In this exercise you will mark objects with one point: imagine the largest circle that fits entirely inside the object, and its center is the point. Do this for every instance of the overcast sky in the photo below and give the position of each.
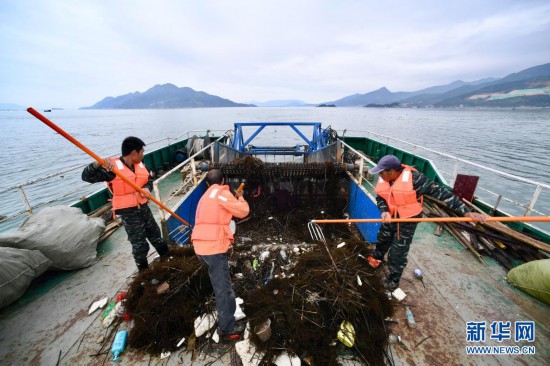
(73, 53)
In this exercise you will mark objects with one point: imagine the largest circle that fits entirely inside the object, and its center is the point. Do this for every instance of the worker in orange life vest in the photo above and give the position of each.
(400, 190)
(129, 204)
(212, 238)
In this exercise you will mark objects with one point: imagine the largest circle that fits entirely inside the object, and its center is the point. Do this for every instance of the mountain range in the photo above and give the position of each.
(526, 88)
(165, 97)
(529, 88)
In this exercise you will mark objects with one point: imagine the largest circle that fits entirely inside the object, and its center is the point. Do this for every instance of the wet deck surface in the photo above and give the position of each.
(51, 325)
(458, 290)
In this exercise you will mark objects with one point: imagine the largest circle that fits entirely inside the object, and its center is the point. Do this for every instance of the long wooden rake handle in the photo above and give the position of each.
(102, 162)
(438, 219)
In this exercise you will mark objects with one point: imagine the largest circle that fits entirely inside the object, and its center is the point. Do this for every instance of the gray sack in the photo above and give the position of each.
(18, 267)
(63, 234)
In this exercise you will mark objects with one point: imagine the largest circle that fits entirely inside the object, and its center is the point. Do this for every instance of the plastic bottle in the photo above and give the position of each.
(119, 344)
(107, 310)
(419, 276)
(108, 320)
(410, 317)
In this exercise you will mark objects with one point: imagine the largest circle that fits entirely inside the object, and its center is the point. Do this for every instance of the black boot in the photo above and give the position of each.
(142, 266)
(163, 250)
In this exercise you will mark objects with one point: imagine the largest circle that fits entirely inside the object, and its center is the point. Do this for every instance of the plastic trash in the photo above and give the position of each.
(112, 315)
(98, 305)
(399, 294)
(346, 334)
(374, 263)
(264, 255)
(180, 342)
(119, 344)
(239, 313)
(418, 275)
(410, 317)
(120, 296)
(107, 310)
(263, 330)
(392, 338)
(204, 323)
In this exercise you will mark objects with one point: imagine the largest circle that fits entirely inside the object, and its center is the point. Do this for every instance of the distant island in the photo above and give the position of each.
(527, 88)
(165, 96)
(391, 105)
(326, 105)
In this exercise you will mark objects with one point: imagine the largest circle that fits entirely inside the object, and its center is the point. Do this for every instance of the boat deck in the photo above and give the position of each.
(50, 324)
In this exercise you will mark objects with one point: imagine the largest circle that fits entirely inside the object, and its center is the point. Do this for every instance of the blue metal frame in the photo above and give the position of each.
(361, 206)
(318, 141)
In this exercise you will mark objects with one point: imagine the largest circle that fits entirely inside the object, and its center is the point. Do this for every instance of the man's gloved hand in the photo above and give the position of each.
(147, 191)
(109, 166)
(476, 216)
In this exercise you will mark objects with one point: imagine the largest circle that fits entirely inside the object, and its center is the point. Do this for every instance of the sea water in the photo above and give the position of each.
(514, 141)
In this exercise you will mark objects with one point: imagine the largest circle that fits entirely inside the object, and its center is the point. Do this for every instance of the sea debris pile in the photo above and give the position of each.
(293, 284)
(165, 299)
(310, 306)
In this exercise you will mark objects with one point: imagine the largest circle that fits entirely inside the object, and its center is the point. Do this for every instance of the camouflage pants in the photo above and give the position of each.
(140, 225)
(396, 247)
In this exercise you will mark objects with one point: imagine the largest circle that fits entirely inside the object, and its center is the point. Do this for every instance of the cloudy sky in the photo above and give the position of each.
(73, 53)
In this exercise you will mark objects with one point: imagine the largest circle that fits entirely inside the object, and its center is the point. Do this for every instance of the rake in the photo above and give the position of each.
(317, 233)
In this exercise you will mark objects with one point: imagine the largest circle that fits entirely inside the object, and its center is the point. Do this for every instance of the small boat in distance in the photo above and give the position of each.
(47, 110)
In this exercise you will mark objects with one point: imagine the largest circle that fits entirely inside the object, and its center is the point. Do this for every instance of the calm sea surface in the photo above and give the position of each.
(514, 141)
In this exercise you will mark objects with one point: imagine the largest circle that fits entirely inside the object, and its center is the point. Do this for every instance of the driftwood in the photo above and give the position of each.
(500, 227)
(458, 234)
(100, 211)
(113, 225)
(503, 244)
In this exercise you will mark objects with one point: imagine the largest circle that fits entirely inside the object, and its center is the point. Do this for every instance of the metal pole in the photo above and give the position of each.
(157, 195)
(533, 200)
(25, 200)
(361, 165)
(194, 172)
(496, 205)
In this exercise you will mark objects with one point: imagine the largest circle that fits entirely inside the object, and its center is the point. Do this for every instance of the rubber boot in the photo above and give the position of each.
(142, 266)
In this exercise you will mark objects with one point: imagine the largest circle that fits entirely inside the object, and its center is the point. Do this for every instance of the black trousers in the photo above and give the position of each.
(140, 225)
(397, 247)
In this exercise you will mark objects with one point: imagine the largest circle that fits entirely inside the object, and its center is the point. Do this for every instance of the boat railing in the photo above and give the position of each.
(449, 167)
(190, 162)
(32, 194)
(177, 187)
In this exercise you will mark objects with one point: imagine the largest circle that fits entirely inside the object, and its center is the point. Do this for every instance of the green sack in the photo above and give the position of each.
(532, 277)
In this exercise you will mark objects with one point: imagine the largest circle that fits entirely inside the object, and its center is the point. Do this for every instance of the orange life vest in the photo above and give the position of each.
(124, 196)
(211, 233)
(401, 196)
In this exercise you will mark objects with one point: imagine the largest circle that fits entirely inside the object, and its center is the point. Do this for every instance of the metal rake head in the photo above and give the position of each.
(180, 234)
(316, 232)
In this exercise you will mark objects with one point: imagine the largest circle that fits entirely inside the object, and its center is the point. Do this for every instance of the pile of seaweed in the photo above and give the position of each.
(308, 306)
(161, 320)
(298, 288)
